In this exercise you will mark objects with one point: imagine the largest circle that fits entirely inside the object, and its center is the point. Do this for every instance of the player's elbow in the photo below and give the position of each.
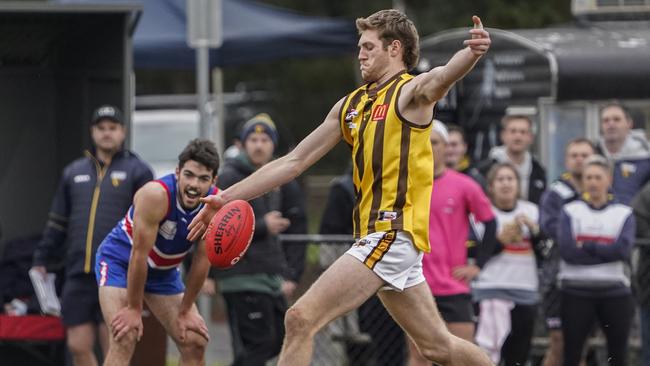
(430, 93)
(434, 86)
(435, 96)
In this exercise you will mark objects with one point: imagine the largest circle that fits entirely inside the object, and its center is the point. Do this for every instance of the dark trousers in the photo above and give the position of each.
(579, 313)
(645, 335)
(516, 347)
(256, 323)
(388, 344)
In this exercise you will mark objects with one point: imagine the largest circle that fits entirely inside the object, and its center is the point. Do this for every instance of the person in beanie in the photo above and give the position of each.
(257, 288)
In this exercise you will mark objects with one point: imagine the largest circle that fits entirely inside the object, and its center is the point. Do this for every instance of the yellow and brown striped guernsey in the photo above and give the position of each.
(393, 164)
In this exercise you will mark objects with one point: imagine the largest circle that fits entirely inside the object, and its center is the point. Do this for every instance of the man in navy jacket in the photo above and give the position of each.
(93, 194)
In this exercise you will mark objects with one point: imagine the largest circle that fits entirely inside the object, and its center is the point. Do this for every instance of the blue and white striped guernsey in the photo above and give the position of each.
(171, 245)
(595, 246)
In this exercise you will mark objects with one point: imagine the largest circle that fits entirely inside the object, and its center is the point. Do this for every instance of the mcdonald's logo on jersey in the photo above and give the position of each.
(379, 112)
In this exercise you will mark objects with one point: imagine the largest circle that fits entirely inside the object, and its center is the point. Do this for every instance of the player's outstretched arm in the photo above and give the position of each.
(188, 320)
(150, 208)
(275, 173)
(429, 87)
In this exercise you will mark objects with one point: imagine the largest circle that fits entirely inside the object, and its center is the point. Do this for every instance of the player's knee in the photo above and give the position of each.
(438, 351)
(80, 340)
(296, 322)
(126, 343)
(79, 346)
(193, 347)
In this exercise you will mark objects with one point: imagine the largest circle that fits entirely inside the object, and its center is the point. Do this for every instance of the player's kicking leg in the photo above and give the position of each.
(343, 287)
(415, 311)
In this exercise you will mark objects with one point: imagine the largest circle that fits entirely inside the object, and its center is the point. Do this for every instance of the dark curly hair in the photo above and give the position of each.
(202, 151)
(393, 25)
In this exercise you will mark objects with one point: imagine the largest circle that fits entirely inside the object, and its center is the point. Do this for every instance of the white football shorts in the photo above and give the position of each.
(392, 256)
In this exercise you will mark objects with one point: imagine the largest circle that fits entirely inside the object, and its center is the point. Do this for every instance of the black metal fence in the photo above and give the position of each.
(368, 336)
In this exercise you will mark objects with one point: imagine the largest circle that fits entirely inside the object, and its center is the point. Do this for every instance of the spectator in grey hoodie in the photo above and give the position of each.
(628, 150)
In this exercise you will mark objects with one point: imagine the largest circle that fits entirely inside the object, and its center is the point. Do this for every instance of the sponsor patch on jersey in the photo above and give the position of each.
(379, 112)
(387, 215)
(362, 242)
(81, 178)
(168, 230)
(562, 189)
(117, 177)
(627, 169)
(351, 115)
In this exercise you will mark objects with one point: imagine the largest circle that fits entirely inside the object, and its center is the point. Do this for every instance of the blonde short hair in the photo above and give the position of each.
(393, 25)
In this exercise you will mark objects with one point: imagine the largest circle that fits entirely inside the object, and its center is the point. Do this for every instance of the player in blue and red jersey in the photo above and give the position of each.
(139, 259)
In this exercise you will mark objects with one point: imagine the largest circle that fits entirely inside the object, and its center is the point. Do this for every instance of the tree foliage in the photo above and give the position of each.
(433, 16)
(303, 91)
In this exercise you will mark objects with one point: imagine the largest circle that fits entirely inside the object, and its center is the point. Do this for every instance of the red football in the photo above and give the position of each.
(230, 233)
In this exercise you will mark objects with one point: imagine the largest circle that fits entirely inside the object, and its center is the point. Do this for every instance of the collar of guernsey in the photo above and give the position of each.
(392, 160)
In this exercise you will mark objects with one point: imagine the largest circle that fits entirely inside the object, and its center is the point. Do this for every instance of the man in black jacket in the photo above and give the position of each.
(517, 137)
(93, 194)
(256, 289)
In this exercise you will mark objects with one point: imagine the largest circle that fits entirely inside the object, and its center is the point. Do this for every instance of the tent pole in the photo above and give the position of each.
(203, 88)
(219, 123)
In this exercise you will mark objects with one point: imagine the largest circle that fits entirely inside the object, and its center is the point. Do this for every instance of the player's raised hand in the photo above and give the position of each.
(201, 221)
(480, 42)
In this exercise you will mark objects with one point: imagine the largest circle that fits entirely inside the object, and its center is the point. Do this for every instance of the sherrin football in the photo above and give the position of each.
(230, 233)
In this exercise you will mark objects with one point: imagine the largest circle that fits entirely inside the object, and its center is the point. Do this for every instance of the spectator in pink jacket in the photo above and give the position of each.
(446, 268)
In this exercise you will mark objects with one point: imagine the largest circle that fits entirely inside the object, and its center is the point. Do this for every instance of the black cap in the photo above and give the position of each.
(107, 112)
